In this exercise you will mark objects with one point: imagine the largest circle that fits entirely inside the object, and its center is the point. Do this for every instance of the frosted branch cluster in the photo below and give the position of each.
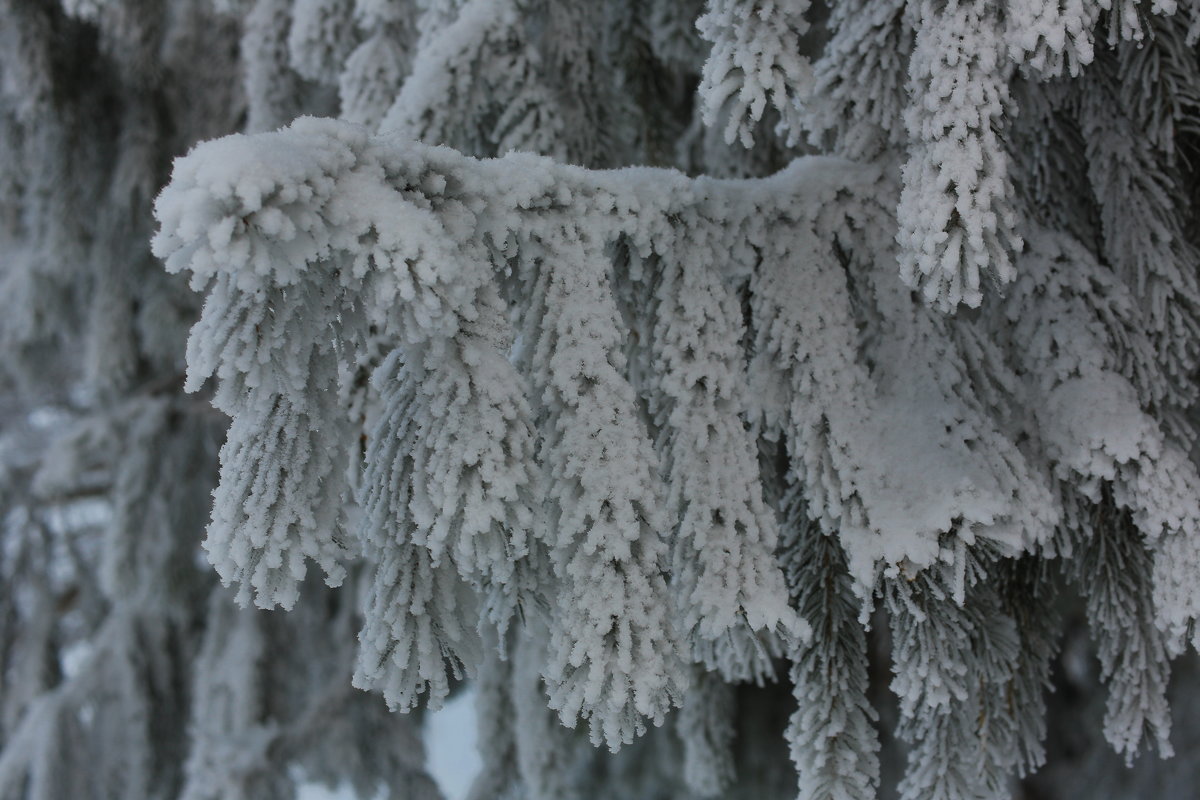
(630, 362)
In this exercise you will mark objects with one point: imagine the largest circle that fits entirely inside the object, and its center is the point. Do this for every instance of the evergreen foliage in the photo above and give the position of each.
(628, 361)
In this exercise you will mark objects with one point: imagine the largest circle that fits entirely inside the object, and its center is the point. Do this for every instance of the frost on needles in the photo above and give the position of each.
(646, 435)
(413, 244)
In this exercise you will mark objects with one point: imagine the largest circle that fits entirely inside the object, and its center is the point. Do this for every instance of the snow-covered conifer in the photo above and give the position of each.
(957, 223)
(734, 603)
(833, 742)
(321, 37)
(756, 59)
(857, 100)
(613, 652)
(634, 363)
